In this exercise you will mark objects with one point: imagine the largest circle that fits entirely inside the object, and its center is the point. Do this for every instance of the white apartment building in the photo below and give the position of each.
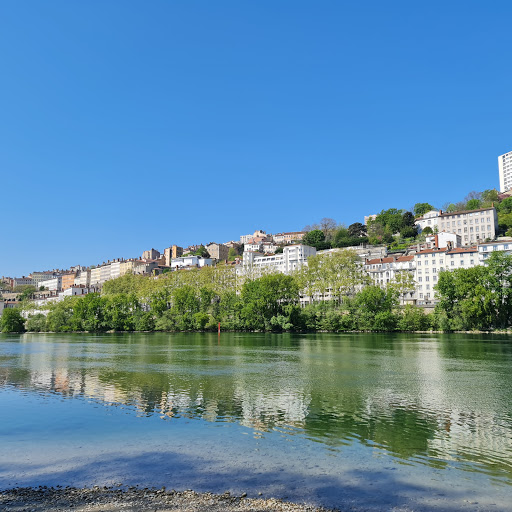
(505, 171)
(473, 226)
(83, 277)
(292, 258)
(429, 263)
(385, 270)
(486, 249)
(52, 284)
(429, 219)
(190, 261)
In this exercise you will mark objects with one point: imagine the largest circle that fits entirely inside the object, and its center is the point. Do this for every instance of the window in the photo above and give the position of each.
(453, 263)
(420, 279)
(427, 278)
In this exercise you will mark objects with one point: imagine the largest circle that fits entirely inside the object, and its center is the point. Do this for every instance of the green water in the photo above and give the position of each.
(439, 406)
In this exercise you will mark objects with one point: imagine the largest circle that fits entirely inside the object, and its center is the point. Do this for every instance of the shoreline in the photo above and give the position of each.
(139, 499)
(507, 331)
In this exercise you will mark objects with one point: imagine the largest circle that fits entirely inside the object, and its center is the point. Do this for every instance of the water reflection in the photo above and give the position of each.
(434, 401)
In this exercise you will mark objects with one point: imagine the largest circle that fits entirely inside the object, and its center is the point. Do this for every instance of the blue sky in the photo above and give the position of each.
(126, 125)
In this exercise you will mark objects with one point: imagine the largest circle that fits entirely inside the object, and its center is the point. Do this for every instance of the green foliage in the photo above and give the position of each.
(316, 239)
(266, 298)
(202, 252)
(27, 292)
(372, 309)
(473, 204)
(421, 208)
(36, 323)
(412, 318)
(357, 230)
(12, 321)
(477, 298)
(427, 230)
(232, 254)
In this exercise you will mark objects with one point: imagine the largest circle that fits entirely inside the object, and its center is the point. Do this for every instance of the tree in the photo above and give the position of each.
(12, 321)
(27, 292)
(421, 208)
(427, 230)
(316, 239)
(473, 204)
(266, 299)
(328, 226)
(232, 254)
(489, 196)
(36, 323)
(505, 206)
(279, 250)
(357, 230)
(202, 252)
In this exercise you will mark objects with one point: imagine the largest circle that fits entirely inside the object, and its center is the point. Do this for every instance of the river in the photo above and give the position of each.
(369, 421)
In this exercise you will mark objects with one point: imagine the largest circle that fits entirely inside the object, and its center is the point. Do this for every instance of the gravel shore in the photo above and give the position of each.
(136, 499)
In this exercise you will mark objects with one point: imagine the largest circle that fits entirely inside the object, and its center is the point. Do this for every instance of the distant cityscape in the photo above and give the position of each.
(455, 239)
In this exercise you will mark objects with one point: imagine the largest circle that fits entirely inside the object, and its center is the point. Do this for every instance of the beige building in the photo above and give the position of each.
(171, 253)
(289, 237)
(152, 254)
(218, 251)
(473, 226)
(68, 280)
(126, 267)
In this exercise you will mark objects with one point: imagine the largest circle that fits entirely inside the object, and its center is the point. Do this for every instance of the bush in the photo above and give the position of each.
(12, 321)
(36, 323)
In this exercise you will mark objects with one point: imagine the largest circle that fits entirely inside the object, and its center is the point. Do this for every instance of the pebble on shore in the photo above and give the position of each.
(135, 499)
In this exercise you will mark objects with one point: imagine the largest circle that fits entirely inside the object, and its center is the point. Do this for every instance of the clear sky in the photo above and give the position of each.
(126, 125)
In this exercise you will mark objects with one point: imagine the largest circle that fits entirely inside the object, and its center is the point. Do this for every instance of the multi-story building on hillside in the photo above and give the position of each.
(68, 280)
(172, 252)
(257, 234)
(190, 262)
(52, 284)
(289, 237)
(152, 254)
(292, 258)
(218, 251)
(473, 226)
(486, 249)
(505, 171)
(83, 278)
(429, 219)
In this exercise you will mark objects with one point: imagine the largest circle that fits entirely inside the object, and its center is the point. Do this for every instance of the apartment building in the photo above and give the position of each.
(505, 171)
(257, 234)
(172, 252)
(21, 281)
(191, 261)
(152, 254)
(292, 258)
(37, 277)
(52, 284)
(429, 219)
(289, 237)
(68, 280)
(218, 251)
(429, 263)
(473, 226)
(486, 249)
(83, 278)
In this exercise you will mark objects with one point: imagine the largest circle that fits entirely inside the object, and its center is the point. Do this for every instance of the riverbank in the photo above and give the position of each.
(110, 499)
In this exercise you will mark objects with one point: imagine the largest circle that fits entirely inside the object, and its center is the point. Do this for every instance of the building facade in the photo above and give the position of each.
(218, 251)
(292, 258)
(427, 220)
(505, 171)
(474, 226)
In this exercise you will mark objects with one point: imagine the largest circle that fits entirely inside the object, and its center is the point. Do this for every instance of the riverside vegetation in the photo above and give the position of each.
(478, 298)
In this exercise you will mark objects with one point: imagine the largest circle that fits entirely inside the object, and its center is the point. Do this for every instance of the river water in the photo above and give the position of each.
(372, 422)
